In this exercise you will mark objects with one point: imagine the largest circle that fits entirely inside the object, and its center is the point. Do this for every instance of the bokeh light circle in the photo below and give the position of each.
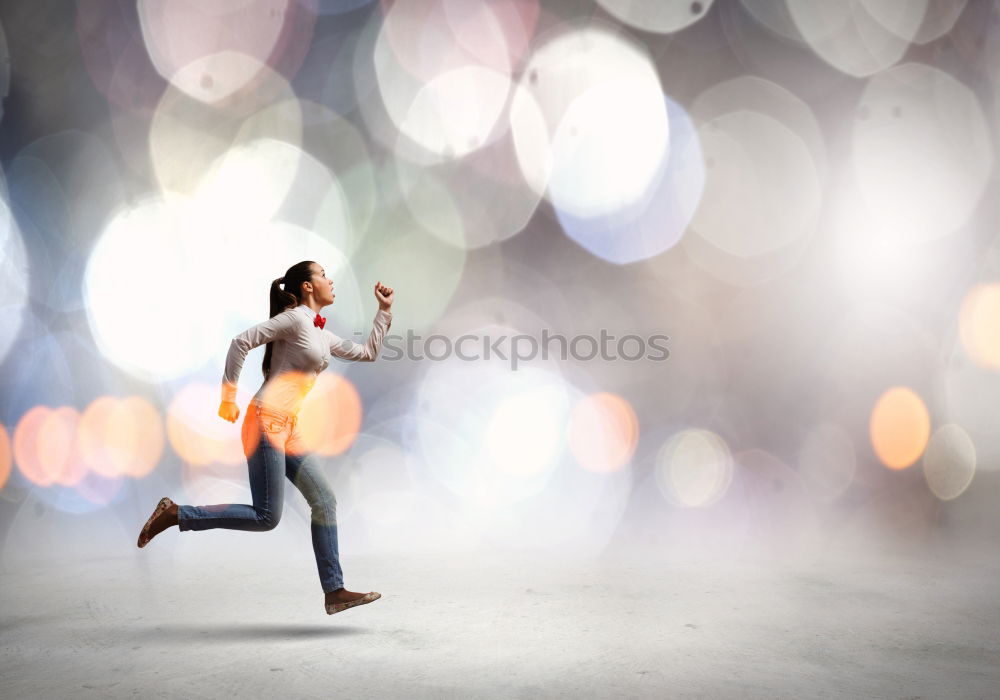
(921, 151)
(589, 121)
(121, 436)
(58, 446)
(660, 16)
(195, 433)
(603, 432)
(979, 325)
(187, 137)
(491, 436)
(899, 427)
(134, 289)
(331, 414)
(444, 88)
(14, 276)
(949, 462)
(971, 377)
(694, 468)
(212, 50)
(400, 249)
(523, 434)
(858, 37)
(334, 192)
(656, 221)
(27, 446)
(762, 188)
(46, 447)
(939, 19)
(248, 183)
(6, 456)
(470, 202)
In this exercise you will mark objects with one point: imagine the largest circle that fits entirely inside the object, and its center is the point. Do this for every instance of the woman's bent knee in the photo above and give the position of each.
(268, 521)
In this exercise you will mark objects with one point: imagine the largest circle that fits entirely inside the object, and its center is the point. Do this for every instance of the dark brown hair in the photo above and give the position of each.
(282, 299)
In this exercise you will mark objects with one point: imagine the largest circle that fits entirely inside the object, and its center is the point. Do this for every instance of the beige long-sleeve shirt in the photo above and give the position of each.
(301, 351)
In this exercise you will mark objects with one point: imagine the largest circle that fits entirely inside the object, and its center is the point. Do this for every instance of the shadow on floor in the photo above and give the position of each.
(192, 632)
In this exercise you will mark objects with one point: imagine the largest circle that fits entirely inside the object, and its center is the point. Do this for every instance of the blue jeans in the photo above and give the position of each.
(273, 446)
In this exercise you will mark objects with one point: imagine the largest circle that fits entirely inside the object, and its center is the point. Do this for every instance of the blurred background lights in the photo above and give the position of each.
(331, 414)
(722, 242)
(380, 489)
(603, 432)
(144, 251)
(470, 202)
(694, 468)
(899, 427)
(143, 436)
(249, 183)
(399, 248)
(205, 485)
(185, 137)
(58, 449)
(979, 325)
(428, 37)
(949, 462)
(921, 151)
(748, 93)
(196, 440)
(782, 522)
(762, 189)
(662, 16)
(6, 457)
(443, 71)
(595, 143)
(455, 112)
(121, 436)
(656, 221)
(92, 493)
(14, 277)
(435, 207)
(524, 433)
(117, 62)
(477, 435)
(939, 18)
(331, 193)
(827, 461)
(858, 37)
(28, 447)
(212, 50)
(800, 196)
(336, 157)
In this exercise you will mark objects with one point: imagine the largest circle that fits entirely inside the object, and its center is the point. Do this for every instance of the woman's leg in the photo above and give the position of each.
(266, 465)
(305, 471)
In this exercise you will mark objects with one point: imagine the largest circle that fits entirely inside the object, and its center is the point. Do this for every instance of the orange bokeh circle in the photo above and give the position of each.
(603, 432)
(900, 427)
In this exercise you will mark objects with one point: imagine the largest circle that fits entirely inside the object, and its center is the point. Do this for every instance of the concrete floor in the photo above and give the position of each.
(198, 622)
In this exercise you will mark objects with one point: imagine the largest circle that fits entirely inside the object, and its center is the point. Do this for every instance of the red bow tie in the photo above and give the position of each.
(319, 321)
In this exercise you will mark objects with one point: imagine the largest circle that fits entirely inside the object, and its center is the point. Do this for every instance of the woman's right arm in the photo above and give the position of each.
(276, 327)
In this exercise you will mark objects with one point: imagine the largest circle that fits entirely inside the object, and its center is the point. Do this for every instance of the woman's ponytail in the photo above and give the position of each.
(290, 296)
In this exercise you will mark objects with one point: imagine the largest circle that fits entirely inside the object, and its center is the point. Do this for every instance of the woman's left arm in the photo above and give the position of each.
(349, 350)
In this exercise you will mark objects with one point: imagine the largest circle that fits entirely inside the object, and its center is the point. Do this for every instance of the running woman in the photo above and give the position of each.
(298, 348)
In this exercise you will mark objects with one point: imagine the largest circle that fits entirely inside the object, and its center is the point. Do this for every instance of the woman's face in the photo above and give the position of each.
(322, 286)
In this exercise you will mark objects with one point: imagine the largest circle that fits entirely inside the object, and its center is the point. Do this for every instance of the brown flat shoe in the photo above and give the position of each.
(160, 507)
(332, 608)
